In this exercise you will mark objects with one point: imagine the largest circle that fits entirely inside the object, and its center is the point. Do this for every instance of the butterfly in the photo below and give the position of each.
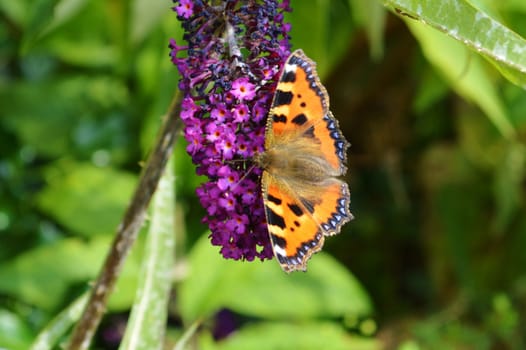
(305, 153)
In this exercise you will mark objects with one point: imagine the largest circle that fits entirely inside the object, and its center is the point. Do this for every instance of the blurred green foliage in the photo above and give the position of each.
(435, 257)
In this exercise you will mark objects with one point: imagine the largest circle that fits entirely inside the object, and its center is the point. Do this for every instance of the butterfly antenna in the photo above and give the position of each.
(249, 170)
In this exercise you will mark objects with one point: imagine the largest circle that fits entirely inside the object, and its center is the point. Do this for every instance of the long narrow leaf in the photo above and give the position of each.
(148, 318)
(467, 27)
(48, 338)
(465, 73)
(473, 27)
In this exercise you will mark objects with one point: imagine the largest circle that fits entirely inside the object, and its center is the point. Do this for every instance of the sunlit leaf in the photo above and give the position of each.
(146, 14)
(303, 336)
(46, 15)
(147, 323)
(84, 54)
(15, 332)
(465, 72)
(64, 11)
(41, 14)
(56, 329)
(264, 290)
(86, 199)
(42, 276)
(474, 28)
(15, 11)
(327, 43)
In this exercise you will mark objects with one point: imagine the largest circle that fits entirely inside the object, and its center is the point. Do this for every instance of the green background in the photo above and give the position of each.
(429, 93)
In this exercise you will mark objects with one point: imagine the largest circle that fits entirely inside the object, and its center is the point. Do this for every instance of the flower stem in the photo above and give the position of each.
(128, 228)
(187, 335)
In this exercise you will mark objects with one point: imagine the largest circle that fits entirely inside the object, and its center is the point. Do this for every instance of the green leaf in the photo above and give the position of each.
(39, 120)
(432, 88)
(280, 335)
(474, 28)
(264, 290)
(436, 333)
(51, 116)
(465, 72)
(147, 324)
(145, 16)
(15, 333)
(509, 176)
(42, 276)
(15, 11)
(48, 338)
(40, 16)
(64, 11)
(371, 15)
(89, 53)
(322, 29)
(86, 199)
(46, 15)
(70, 36)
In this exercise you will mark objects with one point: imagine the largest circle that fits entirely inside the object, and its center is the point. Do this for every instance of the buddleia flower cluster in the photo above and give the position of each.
(229, 66)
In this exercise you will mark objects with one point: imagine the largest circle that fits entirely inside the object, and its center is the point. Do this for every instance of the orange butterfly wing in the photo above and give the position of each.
(305, 152)
(301, 105)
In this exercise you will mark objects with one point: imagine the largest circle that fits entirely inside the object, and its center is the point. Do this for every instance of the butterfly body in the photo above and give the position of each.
(296, 162)
(305, 153)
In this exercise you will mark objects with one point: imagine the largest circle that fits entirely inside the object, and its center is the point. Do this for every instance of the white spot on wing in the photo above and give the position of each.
(280, 251)
(290, 68)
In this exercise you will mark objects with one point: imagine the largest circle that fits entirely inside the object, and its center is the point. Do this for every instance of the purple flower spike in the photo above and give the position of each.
(227, 96)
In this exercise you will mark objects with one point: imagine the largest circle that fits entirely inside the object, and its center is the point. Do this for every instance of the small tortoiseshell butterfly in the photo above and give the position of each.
(305, 152)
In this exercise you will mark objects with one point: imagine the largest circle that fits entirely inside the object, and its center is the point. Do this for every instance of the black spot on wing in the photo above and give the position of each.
(295, 209)
(279, 118)
(274, 219)
(282, 98)
(300, 119)
(288, 77)
(273, 199)
(279, 241)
